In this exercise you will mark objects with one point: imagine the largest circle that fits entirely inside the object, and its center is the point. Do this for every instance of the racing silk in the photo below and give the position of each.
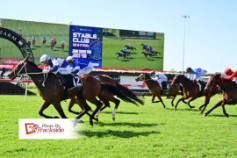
(160, 77)
(58, 64)
(79, 65)
(196, 74)
(230, 77)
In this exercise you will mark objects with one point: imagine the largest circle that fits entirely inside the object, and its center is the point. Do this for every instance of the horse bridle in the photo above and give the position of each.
(35, 73)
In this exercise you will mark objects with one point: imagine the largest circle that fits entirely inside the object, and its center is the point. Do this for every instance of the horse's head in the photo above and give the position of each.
(214, 80)
(141, 77)
(176, 80)
(20, 69)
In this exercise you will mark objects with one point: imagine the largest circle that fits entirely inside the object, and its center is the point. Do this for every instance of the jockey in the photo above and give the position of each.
(161, 79)
(58, 66)
(83, 67)
(197, 77)
(196, 72)
(230, 75)
(33, 38)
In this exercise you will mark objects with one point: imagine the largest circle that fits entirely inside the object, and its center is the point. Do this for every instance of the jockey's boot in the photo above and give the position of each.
(62, 79)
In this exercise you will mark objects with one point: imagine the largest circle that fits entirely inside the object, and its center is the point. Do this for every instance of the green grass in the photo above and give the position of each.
(145, 131)
(61, 32)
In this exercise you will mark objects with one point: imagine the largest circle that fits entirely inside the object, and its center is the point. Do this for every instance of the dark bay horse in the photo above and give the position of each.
(229, 92)
(130, 47)
(52, 93)
(106, 96)
(191, 90)
(154, 87)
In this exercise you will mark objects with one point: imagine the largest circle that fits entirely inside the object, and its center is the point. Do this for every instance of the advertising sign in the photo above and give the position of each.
(85, 44)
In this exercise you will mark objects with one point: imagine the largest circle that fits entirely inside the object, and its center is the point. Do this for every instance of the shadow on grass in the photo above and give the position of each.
(129, 124)
(220, 115)
(193, 109)
(120, 134)
(121, 112)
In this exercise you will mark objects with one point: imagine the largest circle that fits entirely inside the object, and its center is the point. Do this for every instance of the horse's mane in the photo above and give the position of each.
(184, 78)
(34, 65)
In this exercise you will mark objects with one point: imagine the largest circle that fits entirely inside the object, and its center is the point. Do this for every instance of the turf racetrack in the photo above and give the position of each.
(145, 131)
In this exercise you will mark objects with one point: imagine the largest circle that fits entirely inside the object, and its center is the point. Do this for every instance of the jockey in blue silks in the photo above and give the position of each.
(82, 67)
(56, 65)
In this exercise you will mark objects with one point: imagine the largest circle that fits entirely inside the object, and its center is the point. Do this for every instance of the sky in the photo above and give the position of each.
(210, 30)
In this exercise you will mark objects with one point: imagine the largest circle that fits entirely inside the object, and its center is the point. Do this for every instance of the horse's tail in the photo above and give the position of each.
(114, 91)
(127, 92)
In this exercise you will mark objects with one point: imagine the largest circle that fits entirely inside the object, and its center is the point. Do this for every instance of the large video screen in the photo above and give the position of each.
(104, 47)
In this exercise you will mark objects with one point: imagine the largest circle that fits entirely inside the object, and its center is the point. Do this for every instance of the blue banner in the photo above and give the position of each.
(85, 43)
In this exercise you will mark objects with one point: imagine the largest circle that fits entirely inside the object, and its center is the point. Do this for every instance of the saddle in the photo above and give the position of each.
(69, 81)
(202, 85)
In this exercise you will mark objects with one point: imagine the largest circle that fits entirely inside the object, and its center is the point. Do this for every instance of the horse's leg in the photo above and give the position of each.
(172, 102)
(223, 106)
(215, 106)
(58, 107)
(193, 98)
(181, 99)
(224, 111)
(206, 102)
(45, 106)
(153, 98)
(106, 104)
(116, 101)
(98, 106)
(161, 101)
(71, 103)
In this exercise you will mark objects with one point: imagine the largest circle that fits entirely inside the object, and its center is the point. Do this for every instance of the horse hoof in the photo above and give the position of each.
(113, 118)
(175, 109)
(227, 115)
(91, 123)
(96, 119)
(204, 115)
(192, 107)
(55, 117)
(80, 121)
(96, 116)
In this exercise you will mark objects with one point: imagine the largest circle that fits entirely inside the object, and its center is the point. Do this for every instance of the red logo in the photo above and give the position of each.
(30, 128)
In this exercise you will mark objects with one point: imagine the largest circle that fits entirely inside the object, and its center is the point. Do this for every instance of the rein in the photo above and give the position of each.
(32, 73)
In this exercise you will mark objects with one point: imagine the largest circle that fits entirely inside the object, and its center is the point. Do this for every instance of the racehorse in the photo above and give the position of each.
(52, 93)
(62, 45)
(122, 54)
(147, 54)
(33, 42)
(229, 91)
(130, 47)
(154, 87)
(43, 41)
(105, 96)
(191, 90)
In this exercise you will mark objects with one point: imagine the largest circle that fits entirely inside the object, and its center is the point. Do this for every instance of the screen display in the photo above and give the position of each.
(104, 47)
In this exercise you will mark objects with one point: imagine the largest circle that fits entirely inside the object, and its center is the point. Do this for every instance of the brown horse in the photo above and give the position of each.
(106, 96)
(191, 90)
(229, 91)
(154, 87)
(52, 93)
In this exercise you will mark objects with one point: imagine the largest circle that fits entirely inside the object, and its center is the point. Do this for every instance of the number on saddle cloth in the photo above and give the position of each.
(77, 81)
(72, 81)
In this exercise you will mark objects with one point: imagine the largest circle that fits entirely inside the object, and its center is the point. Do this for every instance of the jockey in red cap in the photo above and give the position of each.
(230, 74)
